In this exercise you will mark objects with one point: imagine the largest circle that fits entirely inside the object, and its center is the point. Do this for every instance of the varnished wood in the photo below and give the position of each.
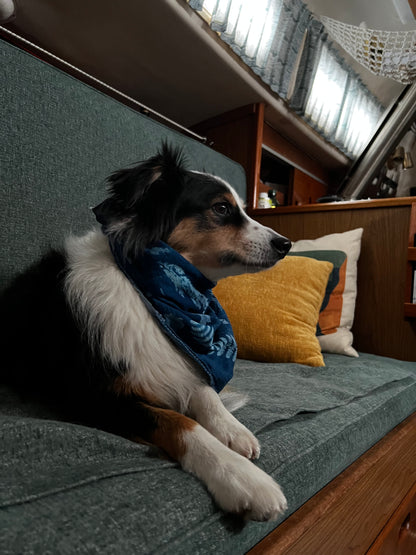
(410, 310)
(412, 4)
(409, 306)
(379, 325)
(282, 147)
(336, 206)
(237, 134)
(241, 134)
(306, 189)
(412, 225)
(348, 514)
(259, 130)
(398, 537)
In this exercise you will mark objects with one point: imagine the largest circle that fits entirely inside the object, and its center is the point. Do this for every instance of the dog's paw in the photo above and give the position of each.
(248, 491)
(207, 409)
(237, 437)
(237, 484)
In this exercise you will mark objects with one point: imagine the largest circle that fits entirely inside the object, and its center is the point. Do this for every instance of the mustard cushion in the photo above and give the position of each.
(274, 313)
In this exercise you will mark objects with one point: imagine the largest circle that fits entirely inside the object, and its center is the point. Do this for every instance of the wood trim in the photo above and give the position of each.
(412, 224)
(92, 81)
(333, 206)
(238, 134)
(290, 153)
(253, 193)
(399, 534)
(412, 4)
(224, 119)
(409, 307)
(410, 310)
(348, 514)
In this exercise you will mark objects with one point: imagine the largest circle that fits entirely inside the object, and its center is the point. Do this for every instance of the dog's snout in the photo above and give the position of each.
(281, 244)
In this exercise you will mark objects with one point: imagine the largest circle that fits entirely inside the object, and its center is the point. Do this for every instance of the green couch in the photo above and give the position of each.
(69, 489)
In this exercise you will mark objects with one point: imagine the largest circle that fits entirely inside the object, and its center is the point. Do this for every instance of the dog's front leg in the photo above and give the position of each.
(236, 484)
(207, 408)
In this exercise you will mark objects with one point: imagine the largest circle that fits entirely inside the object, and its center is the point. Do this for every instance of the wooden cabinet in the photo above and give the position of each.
(368, 509)
(270, 160)
(410, 304)
(398, 536)
(306, 189)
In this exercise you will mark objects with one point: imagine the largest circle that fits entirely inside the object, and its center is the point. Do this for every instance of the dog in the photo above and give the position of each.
(86, 331)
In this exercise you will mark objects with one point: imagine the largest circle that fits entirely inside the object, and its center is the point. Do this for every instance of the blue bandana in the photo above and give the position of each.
(181, 300)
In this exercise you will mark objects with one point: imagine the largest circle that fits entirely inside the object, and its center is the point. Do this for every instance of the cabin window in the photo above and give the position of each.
(289, 49)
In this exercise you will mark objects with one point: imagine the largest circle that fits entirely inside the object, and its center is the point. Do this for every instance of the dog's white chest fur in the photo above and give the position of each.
(104, 300)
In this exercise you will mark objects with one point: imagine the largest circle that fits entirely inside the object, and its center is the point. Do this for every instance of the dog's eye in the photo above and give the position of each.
(222, 208)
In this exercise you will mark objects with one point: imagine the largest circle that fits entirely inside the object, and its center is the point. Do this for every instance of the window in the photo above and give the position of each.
(284, 44)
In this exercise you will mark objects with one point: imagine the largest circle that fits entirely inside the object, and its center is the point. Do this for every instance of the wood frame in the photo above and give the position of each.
(242, 133)
(354, 511)
(239, 134)
(409, 307)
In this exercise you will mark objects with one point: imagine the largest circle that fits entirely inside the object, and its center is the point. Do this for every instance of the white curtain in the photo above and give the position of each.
(273, 37)
(339, 106)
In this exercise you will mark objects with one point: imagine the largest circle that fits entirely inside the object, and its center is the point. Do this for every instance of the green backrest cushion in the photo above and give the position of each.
(60, 139)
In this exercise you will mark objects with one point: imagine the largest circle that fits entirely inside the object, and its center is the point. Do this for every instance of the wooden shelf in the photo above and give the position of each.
(245, 136)
(410, 310)
(411, 254)
(335, 206)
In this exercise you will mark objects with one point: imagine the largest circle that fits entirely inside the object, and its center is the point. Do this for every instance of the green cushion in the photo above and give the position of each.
(67, 488)
(60, 141)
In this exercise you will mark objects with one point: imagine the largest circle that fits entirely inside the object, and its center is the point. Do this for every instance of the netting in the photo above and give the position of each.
(387, 53)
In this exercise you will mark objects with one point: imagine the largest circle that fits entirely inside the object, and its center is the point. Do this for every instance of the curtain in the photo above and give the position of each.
(338, 105)
(289, 49)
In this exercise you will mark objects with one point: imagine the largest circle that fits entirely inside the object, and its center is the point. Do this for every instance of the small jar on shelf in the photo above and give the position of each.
(264, 201)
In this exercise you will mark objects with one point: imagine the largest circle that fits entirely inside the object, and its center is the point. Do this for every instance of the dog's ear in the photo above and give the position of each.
(141, 208)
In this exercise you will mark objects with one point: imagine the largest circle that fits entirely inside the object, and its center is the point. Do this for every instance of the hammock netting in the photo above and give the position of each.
(389, 54)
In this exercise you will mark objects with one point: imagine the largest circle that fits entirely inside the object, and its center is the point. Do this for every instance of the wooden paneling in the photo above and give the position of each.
(379, 324)
(348, 514)
(399, 535)
(241, 133)
(274, 140)
(339, 206)
(238, 134)
(306, 189)
(409, 306)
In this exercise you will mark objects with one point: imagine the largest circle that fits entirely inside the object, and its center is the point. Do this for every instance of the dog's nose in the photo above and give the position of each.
(281, 244)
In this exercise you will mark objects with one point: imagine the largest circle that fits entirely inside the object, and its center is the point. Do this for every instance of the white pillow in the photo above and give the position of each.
(350, 243)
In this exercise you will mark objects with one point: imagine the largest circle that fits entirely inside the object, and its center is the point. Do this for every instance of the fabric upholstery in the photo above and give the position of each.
(61, 139)
(274, 313)
(66, 488)
(331, 308)
(341, 305)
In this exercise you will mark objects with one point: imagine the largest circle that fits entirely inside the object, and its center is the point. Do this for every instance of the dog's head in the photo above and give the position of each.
(197, 214)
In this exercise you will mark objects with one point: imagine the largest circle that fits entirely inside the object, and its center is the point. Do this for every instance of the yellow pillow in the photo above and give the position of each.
(274, 313)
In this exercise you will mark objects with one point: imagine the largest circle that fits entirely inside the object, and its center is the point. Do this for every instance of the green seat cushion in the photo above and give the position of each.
(61, 139)
(67, 488)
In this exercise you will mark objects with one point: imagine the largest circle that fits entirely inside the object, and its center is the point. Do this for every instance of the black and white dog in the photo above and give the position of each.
(121, 330)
